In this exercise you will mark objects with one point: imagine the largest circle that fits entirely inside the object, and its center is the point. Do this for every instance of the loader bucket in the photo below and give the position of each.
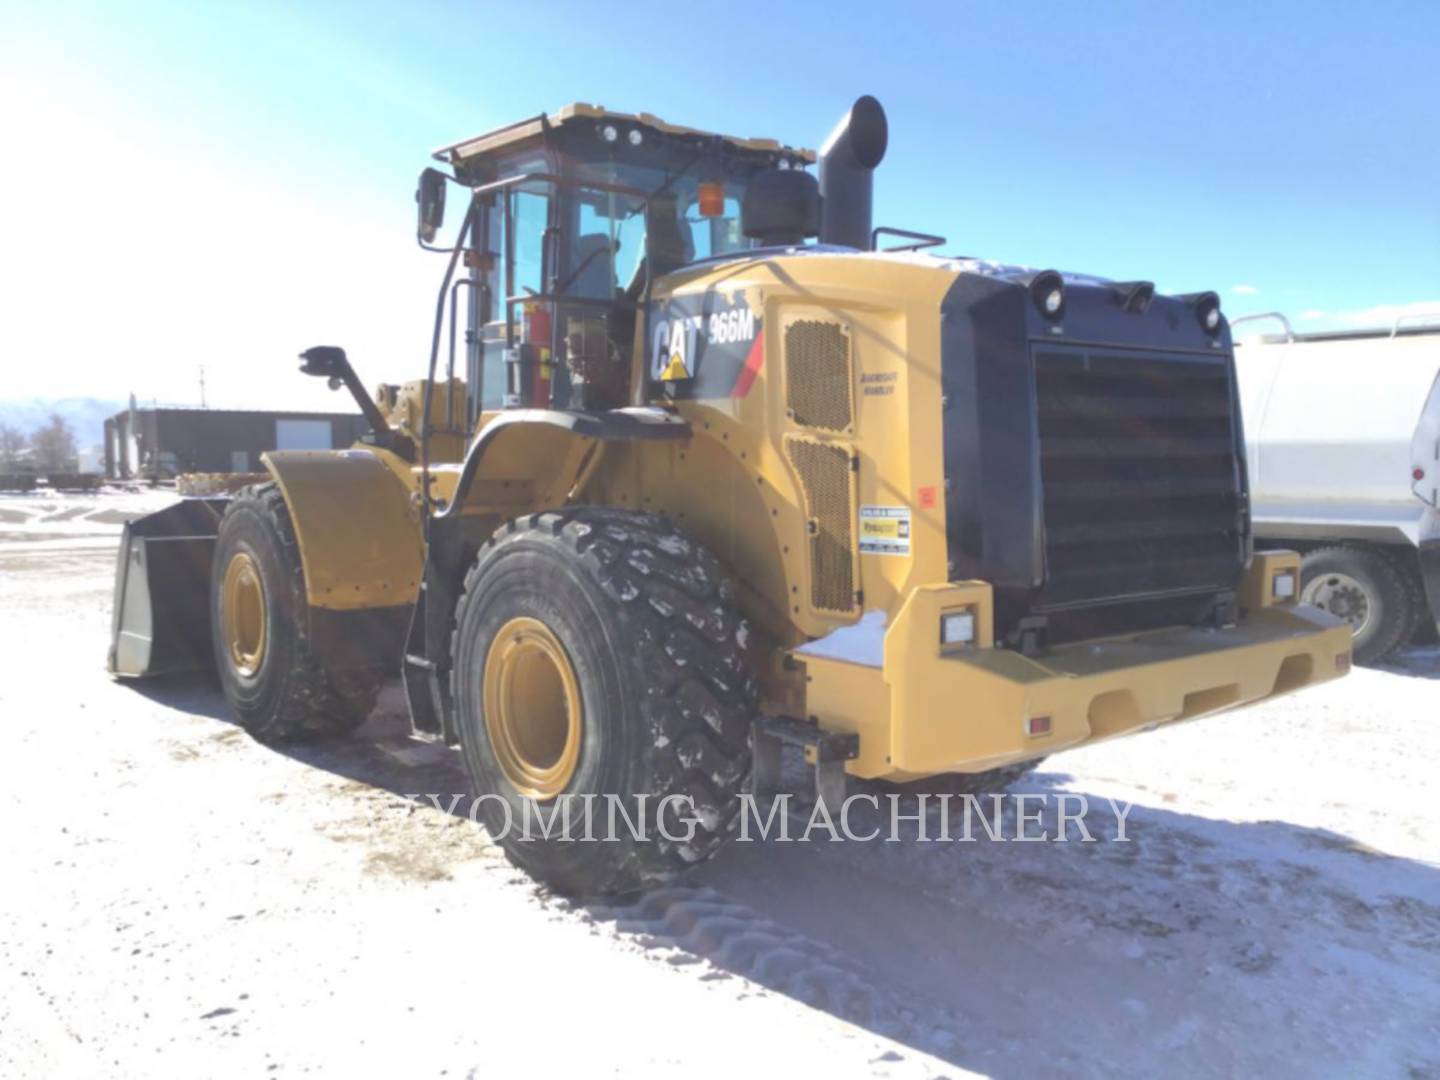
(161, 621)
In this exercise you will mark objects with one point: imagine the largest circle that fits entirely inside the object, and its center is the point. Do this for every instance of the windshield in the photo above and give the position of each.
(690, 217)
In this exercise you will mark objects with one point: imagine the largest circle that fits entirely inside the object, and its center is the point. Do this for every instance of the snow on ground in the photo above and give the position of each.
(45, 520)
(179, 900)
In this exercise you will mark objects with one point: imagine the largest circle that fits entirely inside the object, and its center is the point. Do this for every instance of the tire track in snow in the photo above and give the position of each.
(688, 924)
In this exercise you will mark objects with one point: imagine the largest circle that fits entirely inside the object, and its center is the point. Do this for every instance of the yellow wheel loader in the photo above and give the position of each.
(731, 469)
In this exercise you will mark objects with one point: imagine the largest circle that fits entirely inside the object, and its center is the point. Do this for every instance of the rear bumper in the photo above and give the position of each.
(921, 710)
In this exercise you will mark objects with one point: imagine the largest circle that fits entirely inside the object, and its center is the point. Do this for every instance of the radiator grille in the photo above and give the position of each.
(818, 390)
(825, 476)
(1140, 474)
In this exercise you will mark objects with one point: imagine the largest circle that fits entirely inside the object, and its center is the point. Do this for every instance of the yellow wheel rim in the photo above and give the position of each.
(532, 708)
(242, 609)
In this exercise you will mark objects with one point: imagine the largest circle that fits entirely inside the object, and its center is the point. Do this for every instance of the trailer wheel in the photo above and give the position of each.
(599, 669)
(277, 688)
(1367, 590)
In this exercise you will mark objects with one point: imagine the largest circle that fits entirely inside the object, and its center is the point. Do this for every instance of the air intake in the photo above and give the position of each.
(818, 384)
(825, 475)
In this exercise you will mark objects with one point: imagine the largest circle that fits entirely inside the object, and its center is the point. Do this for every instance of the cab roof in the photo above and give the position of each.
(578, 113)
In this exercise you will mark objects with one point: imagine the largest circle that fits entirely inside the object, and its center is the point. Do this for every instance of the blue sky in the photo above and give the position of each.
(226, 183)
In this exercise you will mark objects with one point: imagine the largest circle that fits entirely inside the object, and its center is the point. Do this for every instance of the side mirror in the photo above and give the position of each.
(430, 200)
(327, 361)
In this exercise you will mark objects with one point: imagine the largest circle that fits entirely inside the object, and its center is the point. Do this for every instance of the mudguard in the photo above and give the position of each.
(362, 548)
(1430, 575)
(360, 537)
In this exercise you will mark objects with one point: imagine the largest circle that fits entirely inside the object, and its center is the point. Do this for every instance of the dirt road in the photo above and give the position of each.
(178, 900)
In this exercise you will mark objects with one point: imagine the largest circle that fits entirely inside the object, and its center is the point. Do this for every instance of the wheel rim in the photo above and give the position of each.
(243, 614)
(1342, 596)
(532, 708)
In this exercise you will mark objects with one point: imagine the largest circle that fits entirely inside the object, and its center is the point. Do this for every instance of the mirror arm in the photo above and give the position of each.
(331, 362)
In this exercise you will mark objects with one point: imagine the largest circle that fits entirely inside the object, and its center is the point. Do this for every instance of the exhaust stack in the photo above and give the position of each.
(847, 167)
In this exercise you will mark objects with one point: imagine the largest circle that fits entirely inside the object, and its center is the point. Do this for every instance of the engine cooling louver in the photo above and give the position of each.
(1140, 473)
(825, 474)
(818, 383)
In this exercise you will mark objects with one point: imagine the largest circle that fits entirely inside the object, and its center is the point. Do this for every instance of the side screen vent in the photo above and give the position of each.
(818, 386)
(825, 474)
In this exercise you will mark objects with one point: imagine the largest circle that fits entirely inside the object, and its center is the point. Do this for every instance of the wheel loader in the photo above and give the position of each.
(706, 465)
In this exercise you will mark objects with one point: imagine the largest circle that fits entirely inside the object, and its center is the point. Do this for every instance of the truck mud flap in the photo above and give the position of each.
(161, 618)
(1430, 575)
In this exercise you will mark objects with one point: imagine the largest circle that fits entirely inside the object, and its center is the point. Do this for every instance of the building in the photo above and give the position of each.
(164, 442)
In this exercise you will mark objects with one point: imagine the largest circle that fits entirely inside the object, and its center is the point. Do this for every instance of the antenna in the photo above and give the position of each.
(202, 387)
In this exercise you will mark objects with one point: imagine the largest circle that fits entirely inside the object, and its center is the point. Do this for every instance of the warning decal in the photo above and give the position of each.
(885, 530)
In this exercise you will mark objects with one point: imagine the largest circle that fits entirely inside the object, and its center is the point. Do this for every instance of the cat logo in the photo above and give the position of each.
(674, 346)
(704, 346)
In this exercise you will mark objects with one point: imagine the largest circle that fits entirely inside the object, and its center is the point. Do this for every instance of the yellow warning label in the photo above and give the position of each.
(675, 369)
(885, 530)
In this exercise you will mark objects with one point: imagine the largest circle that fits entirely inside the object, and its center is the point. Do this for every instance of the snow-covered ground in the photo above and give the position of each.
(178, 900)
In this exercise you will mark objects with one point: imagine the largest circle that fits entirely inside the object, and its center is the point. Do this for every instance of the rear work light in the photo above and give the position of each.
(1047, 290)
(1282, 585)
(957, 627)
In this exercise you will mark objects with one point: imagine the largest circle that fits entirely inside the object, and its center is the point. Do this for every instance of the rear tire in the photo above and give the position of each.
(1367, 590)
(631, 620)
(277, 688)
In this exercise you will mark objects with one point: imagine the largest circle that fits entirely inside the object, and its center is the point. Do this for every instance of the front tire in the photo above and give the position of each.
(276, 687)
(598, 653)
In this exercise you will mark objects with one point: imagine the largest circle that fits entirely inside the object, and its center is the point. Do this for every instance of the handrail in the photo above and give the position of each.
(465, 226)
(1289, 333)
(924, 240)
(1421, 316)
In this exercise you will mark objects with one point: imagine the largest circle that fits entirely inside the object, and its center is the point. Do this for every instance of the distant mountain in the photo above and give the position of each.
(86, 416)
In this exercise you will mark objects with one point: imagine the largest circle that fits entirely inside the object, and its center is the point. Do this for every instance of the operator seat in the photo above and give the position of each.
(668, 241)
(595, 276)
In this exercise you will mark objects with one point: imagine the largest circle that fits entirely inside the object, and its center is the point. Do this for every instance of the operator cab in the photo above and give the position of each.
(573, 216)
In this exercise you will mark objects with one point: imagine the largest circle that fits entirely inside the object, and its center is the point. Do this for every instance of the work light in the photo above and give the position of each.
(957, 627)
(1207, 310)
(1047, 289)
(1282, 585)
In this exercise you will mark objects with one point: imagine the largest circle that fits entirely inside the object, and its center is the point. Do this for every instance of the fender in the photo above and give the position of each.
(550, 446)
(524, 434)
(361, 546)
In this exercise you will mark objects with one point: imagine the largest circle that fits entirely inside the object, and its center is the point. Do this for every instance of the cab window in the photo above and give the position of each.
(532, 215)
(715, 235)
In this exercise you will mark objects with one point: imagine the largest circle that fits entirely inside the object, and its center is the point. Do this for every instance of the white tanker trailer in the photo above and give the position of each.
(1343, 438)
